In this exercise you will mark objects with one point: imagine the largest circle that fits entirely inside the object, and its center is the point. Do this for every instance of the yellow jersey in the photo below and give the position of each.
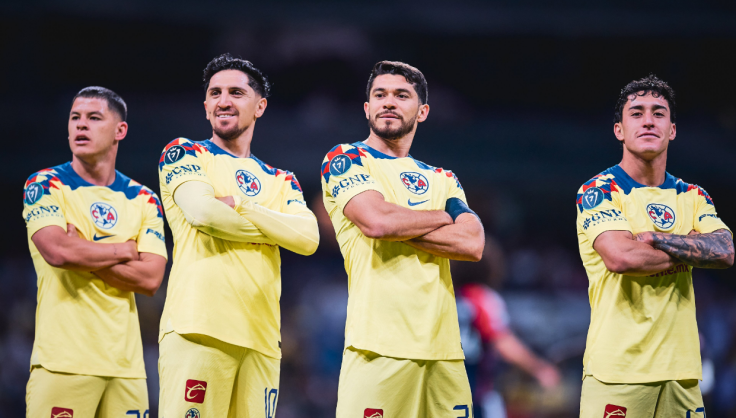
(83, 325)
(642, 329)
(401, 301)
(224, 289)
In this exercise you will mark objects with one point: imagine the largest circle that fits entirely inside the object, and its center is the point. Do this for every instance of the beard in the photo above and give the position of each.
(391, 132)
(230, 133)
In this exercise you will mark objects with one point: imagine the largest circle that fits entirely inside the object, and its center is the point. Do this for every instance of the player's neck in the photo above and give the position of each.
(99, 171)
(239, 147)
(398, 148)
(647, 172)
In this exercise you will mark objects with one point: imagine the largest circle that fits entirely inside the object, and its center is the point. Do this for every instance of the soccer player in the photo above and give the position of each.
(96, 237)
(641, 232)
(399, 222)
(229, 212)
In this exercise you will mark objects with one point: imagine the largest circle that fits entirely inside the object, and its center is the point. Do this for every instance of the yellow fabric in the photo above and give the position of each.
(224, 289)
(197, 202)
(657, 400)
(642, 329)
(401, 300)
(215, 378)
(64, 395)
(373, 386)
(83, 325)
(296, 232)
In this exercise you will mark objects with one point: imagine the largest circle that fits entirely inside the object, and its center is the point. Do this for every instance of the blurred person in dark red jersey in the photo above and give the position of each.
(486, 334)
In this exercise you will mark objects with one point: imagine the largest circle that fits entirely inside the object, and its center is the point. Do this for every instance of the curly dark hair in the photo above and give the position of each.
(114, 102)
(256, 79)
(649, 84)
(411, 74)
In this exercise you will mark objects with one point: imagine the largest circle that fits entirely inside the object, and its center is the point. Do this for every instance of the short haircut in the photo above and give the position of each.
(411, 74)
(649, 84)
(256, 79)
(114, 102)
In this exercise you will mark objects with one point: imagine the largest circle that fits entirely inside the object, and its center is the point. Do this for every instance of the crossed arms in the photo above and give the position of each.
(651, 252)
(120, 265)
(431, 231)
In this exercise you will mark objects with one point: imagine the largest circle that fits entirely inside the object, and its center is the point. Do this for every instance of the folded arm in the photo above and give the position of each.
(463, 240)
(66, 250)
(623, 254)
(142, 276)
(203, 211)
(296, 232)
(709, 251)
(386, 221)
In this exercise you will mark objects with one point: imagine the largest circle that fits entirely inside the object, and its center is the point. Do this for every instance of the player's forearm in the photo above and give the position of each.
(295, 232)
(78, 254)
(463, 240)
(139, 276)
(639, 259)
(207, 214)
(513, 351)
(709, 251)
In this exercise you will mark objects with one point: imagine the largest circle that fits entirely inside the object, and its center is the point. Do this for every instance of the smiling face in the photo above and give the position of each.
(231, 105)
(94, 129)
(393, 108)
(645, 128)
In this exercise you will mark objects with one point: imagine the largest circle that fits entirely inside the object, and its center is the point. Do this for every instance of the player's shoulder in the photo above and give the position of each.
(285, 175)
(47, 175)
(181, 147)
(682, 186)
(602, 187)
(136, 192)
(343, 156)
(437, 172)
(42, 182)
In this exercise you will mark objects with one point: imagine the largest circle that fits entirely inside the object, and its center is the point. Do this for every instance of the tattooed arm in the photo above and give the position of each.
(709, 251)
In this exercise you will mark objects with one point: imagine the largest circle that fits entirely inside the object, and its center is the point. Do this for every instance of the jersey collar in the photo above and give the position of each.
(627, 183)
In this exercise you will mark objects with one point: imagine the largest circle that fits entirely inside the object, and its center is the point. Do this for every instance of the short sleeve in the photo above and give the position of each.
(706, 219)
(345, 175)
(182, 160)
(455, 189)
(293, 201)
(151, 237)
(42, 203)
(599, 210)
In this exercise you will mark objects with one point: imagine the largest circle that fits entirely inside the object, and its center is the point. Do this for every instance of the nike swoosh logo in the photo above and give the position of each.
(417, 203)
(96, 238)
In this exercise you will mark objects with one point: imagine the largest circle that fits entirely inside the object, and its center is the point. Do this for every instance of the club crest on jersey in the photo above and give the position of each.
(192, 413)
(248, 183)
(415, 182)
(613, 411)
(340, 164)
(57, 412)
(174, 154)
(662, 215)
(34, 192)
(373, 413)
(104, 215)
(592, 198)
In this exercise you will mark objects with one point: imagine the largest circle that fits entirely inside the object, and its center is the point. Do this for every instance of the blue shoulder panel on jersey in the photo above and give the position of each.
(288, 175)
(189, 147)
(355, 154)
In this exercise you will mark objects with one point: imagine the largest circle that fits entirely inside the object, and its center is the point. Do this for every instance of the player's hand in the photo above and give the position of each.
(548, 376)
(694, 232)
(71, 231)
(645, 237)
(228, 200)
(130, 250)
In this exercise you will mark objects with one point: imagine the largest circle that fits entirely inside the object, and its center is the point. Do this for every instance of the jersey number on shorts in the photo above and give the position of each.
(270, 399)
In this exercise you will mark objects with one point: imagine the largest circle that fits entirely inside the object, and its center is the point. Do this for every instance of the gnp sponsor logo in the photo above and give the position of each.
(607, 215)
(43, 211)
(350, 182)
(183, 169)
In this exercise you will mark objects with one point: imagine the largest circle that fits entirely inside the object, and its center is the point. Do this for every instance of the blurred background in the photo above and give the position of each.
(521, 95)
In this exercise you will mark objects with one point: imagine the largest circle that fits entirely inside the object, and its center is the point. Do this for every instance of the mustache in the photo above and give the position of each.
(388, 112)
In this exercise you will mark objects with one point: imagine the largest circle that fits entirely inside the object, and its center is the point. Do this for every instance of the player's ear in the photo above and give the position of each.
(121, 131)
(673, 132)
(261, 107)
(423, 113)
(367, 112)
(206, 113)
(618, 130)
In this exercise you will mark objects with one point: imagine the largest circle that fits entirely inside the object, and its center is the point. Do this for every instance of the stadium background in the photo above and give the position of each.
(521, 97)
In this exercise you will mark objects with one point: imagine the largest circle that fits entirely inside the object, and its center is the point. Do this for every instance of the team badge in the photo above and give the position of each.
(662, 215)
(415, 182)
(340, 164)
(248, 183)
(614, 411)
(192, 413)
(57, 412)
(104, 215)
(373, 413)
(174, 154)
(194, 391)
(34, 192)
(592, 198)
